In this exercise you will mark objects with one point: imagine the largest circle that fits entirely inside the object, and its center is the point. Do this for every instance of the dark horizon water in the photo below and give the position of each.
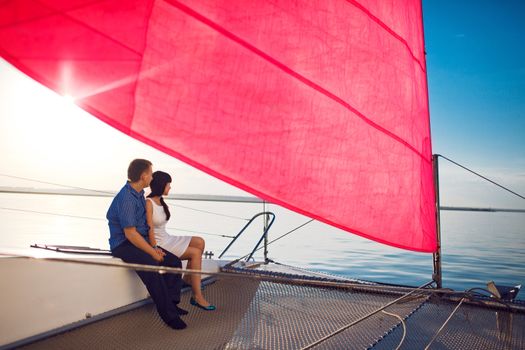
(477, 247)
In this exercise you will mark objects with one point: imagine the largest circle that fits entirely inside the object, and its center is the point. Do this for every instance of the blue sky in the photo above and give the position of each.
(476, 75)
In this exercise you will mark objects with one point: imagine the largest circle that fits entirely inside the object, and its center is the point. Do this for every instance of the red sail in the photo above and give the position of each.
(319, 106)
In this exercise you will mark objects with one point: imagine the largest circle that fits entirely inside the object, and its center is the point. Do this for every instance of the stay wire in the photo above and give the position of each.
(173, 228)
(56, 184)
(99, 219)
(113, 193)
(287, 233)
(275, 240)
(444, 324)
(54, 214)
(483, 177)
(206, 211)
(356, 286)
(177, 270)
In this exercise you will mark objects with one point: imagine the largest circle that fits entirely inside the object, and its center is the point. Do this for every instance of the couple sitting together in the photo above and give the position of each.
(138, 235)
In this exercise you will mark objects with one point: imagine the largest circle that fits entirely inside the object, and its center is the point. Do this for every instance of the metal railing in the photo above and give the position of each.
(265, 234)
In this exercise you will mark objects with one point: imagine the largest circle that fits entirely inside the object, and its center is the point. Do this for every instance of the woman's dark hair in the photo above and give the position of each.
(136, 168)
(157, 186)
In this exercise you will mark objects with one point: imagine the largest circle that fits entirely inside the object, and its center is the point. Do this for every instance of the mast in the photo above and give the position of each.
(436, 275)
(436, 256)
(265, 231)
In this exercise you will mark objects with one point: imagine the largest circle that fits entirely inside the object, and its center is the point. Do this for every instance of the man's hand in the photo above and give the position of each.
(158, 256)
(138, 241)
(160, 251)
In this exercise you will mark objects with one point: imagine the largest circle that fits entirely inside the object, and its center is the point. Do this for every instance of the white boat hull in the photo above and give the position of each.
(42, 295)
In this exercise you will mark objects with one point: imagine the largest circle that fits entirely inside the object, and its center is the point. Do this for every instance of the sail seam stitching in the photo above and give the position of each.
(388, 30)
(291, 72)
(137, 81)
(95, 30)
(43, 16)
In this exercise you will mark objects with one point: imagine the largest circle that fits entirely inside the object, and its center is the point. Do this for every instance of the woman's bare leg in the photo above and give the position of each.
(197, 242)
(194, 256)
(187, 277)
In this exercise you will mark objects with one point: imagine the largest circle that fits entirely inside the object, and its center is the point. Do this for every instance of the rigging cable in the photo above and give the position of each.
(355, 286)
(54, 214)
(55, 184)
(176, 270)
(206, 211)
(483, 177)
(278, 238)
(176, 205)
(113, 193)
(444, 324)
(319, 341)
(99, 219)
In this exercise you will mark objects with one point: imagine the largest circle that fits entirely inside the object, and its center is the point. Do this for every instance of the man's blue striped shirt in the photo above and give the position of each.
(128, 209)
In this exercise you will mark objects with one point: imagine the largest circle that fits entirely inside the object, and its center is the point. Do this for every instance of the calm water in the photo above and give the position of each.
(476, 247)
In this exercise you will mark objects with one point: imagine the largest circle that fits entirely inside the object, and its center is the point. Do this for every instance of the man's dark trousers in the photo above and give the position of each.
(164, 289)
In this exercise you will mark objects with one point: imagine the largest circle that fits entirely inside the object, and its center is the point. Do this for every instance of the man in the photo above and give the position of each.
(128, 241)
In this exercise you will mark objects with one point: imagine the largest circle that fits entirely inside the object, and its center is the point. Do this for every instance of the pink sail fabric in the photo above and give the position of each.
(319, 106)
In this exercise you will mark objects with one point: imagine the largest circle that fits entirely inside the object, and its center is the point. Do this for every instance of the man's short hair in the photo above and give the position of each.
(136, 168)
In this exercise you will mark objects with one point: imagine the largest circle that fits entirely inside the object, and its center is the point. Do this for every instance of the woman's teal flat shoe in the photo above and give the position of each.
(207, 308)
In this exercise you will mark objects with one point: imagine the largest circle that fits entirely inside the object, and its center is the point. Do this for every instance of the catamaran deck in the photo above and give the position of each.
(259, 314)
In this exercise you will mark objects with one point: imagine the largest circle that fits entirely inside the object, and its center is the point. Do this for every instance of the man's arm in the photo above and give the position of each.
(138, 241)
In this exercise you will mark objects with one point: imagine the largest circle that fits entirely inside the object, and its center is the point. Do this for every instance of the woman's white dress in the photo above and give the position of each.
(174, 244)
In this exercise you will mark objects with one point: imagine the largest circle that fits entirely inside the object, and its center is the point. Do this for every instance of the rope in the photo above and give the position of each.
(444, 324)
(317, 342)
(175, 270)
(372, 346)
(404, 327)
(353, 286)
(165, 269)
(483, 177)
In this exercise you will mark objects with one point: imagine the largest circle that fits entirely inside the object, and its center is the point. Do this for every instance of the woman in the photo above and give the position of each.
(185, 247)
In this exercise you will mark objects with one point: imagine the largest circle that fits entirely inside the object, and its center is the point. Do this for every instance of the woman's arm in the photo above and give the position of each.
(149, 220)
